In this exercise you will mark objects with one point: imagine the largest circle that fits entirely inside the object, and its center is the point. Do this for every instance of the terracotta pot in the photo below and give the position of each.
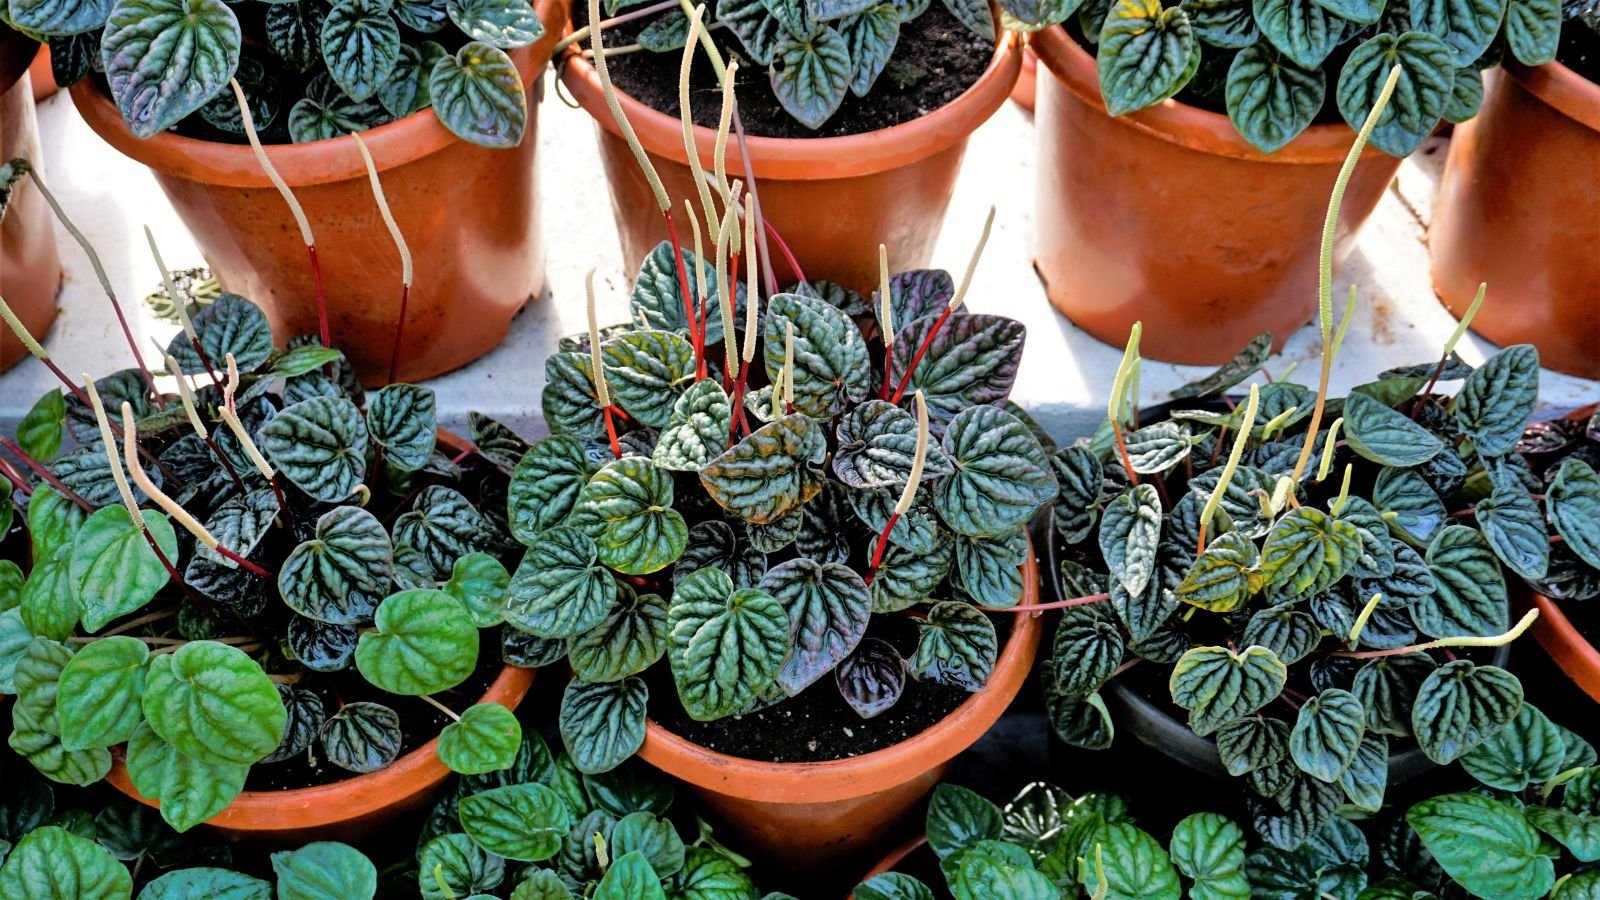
(833, 200)
(1567, 647)
(795, 815)
(355, 810)
(1519, 209)
(1027, 82)
(1168, 216)
(894, 858)
(30, 270)
(44, 80)
(469, 214)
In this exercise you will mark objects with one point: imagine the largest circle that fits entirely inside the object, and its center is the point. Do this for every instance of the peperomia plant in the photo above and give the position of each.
(816, 52)
(259, 565)
(1306, 590)
(312, 71)
(1546, 527)
(1273, 64)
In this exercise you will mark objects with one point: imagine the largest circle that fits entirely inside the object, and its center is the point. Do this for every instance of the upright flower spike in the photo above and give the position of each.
(1118, 403)
(231, 419)
(109, 439)
(908, 494)
(726, 291)
(1328, 448)
(719, 154)
(1236, 453)
(36, 350)
(299, 213)
(1330, 225)
(187, 396)
(788, 367)
(181, 308)
(602, 390)
(695, 307)
(885, 318)
(399, 244)
(686, 121)
(955, 301)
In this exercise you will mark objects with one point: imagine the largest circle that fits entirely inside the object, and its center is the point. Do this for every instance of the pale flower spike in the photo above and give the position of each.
(648, 168)
(1235, 453)
(172, 292)
(266, 165)
(777, 396)
(788, 363)
(1466, 320)
(383, 210)
(1328, 447)
(187, 396)
(719, 155)
(972, 264)
(1362, 619)
(237, 427)
(109, 439)
(726, 290)
(699, 258)
(1119, 384)
(130, 448)
(601, 389)
(23, 335)
(885, 308)
(909, 494)
(752, 304)
(686, 121)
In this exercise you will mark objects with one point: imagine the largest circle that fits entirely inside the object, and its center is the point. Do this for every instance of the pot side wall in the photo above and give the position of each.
(30, 268)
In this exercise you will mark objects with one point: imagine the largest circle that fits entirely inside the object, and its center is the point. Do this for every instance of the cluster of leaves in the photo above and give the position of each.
(1267, 62)
(1565, 564)
(817, 52)
(1303, 629)
(324, 70)
(233, 667)
(542, 829)
(740, 553)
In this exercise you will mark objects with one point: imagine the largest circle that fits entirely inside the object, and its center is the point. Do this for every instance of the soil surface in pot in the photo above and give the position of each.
(935, 60)
(817, 725)
(1580, 49)
(420, 722)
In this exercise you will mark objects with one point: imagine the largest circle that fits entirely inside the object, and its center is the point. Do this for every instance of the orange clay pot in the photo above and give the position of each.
(355, 810)
(1566, 647)
(30, 270)
(469, 214)
(1168, 216)
(1028, 81)
(795, 815)
(44, 80)
(1519, 209)
(832, 200)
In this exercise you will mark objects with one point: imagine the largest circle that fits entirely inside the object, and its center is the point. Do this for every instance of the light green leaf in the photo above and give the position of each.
(214, 884)
(1209, 849)
(1486, 846)
(1219, 581)
(521, 821)
(506, 24)
(40, 431)
(482, 585)
(1528, 751)
(323, 870)
(424, 643)
(114, 572)
(52, 862)
(1385, 436)
(958, 818)
(98, 697)
(1123, 862)
(214, 703)
(648, 371)
(485, 739)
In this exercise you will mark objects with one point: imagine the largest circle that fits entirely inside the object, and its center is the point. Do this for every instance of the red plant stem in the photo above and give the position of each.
(1216, 451)
(883, 541)
(1085, 600)
(133, 347)
(10, 473)
(769, 277)
(611, 432)
(172, 572)
(1122, 450)
(243, 563)
(206, 360)
(1427, 391)
(736, 411)
(794, 264)
(456, 461)
(226, 464)
(62, 377)
(1200, 543)
(696, 339)
(399, 331)
(1126, 666)
(46, 475)
(883, 387)
(916, 358)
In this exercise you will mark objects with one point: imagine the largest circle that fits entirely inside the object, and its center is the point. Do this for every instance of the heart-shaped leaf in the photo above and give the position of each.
(959, 818)
(341, 574)
(871, 36)
(98, 697)
(1460, 705)
(988, 570)
(1217, 685)
(231, 324)
(1079, 479)
(1327, 734)
(1002, 476)
(1470, 592)
(603, 724)
(360, 44)
(1252, 743)
(222, 884)
(830, 356)
(1146, 54)
(485, 739)
(1289, 633)
(407, 90)
(877, 441)
(1308, 550)
(362, 737)
(401, 419)
(478, 95)
(59, 17)
(626, 509)
(324, 869)
(506, 24)
(647, 372)
(698, 429)
(1573, 500)
(726, 646)
(907, 577)
(214, 703)
(872, 678)
(654, 838)
(1417, 512)
(545, 484)
(306, 715)
(771, 472)
(522, 821)
(1130, 530)
(165, 58)
(560, 590)
(425, 643)
(626, 642)
(51, 861)
(656, 301)
(1467, 26)
(1127, 863)
(956, 646)
(972, 361)
(1466, 95)
(294, 33)
(190, 791)
(1487, 846)
(1533, 30)
(1385, 436)
(828, 607)
(1219, 581)
(810, 77)
(1302, 29)
(1427, 74)
(482, 585)
(1158, 447)
(319, 444)
(1086, 650)
(113, 569)
(1209, 848)
(321, 647)
(322, 114)
(40, 431)
(1530, 750)
(443, 527)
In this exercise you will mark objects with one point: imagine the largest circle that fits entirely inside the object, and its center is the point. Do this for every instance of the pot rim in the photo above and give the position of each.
(1573, 653)
(1189, 126)
(344, 800)
(392, 145)
(810, 159)
(860, 776)
(1561, 88)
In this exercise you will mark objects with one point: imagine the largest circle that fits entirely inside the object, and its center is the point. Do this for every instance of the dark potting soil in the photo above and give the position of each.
(817, 725)
(420, 722)
(935, 60)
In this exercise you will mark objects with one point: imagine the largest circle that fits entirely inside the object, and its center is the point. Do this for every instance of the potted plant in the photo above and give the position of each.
(1146, 101)
(237, 600)
(853, 137)
(30, 270)
(444, 96)
(1540, 107)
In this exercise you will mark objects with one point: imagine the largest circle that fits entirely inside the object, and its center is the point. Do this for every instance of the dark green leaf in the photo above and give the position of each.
(1086, 650)
(1486, 846)
(827, 607)
(1427, 73)
(560, 590)
(959, 818)
(627, 641)
(401, 419)
(1533, 30)
(972, 361)
(771, 472)
(478, 95)
(956, 646)
(523, 821)
(1146, 54)
(1409, 504)
(1573, 500)
(1387, 688)
(726, 645)
(506, 24)
(1252, 743)
(1250, 359)
(1327, 734)
(1130, 530)
(1303, 30)
(341, 574)
(1466, 95)
(319, 444)
(810, 77)
(165, 58)
(360, 44)
(1271, 99)
(1385, 436)
(647, 372)
(698, 429)
(1467, 26)
(1217, 685)
(626, 509)
(454, 866)
(544, 486)
(1470, 592)
(362, 737)
(1460, 705)
(1001, 477)
(830, 356)
(603, 724)
(39, 433)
